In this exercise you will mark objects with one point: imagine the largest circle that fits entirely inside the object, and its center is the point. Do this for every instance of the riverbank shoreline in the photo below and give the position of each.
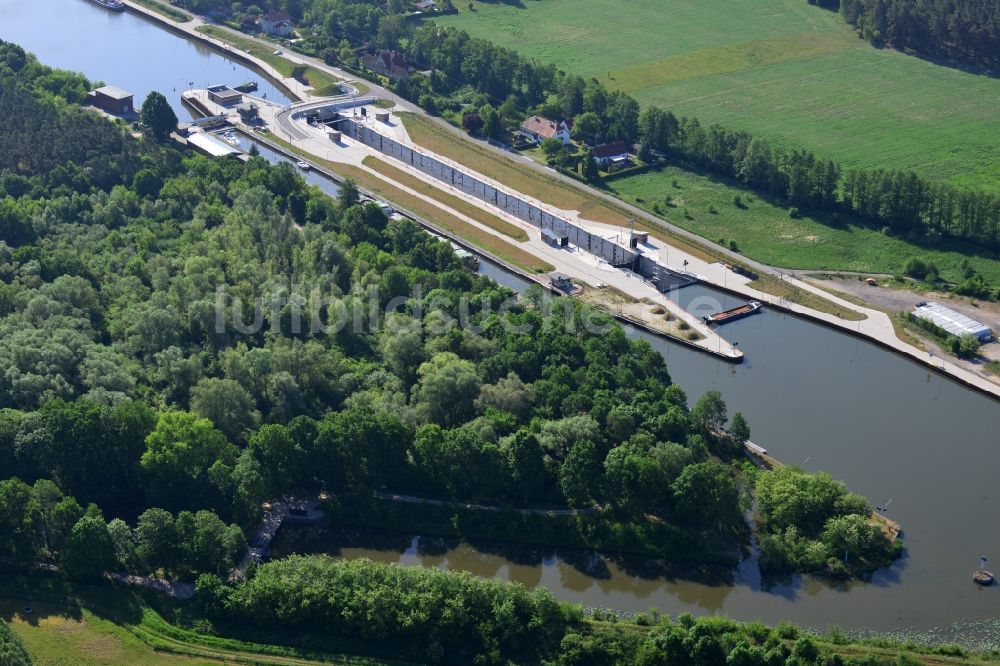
(864, 416)
(483, 253)
(242, 57)
(991, 390)
(878, 330)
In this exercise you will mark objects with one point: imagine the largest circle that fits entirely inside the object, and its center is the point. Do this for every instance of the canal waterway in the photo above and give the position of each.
(121, 49)
(893, 430)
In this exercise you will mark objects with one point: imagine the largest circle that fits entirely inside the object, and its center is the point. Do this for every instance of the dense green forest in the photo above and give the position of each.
(131, 380)
(171, 357)
(967, 31)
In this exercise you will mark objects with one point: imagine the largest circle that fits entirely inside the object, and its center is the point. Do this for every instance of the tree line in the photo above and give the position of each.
(901, 200)
(446, 617)
(502, 87)
(41, 524)
(967, 31)
(119, 385)
(12, 651)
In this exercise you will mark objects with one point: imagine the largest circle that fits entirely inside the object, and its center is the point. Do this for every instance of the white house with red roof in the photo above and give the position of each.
(536, 129)
(617, 152)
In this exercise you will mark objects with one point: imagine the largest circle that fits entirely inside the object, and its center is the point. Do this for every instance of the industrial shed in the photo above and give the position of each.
(224, 95)
(212, 146)
(113, 100)
(953, 322)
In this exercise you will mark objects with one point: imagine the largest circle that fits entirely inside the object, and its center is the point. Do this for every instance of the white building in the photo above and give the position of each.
(536, 129)
(277, 23)
(618, 153)
(953, 322)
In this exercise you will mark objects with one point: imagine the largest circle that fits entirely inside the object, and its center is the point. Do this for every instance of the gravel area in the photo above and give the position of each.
(894, 300)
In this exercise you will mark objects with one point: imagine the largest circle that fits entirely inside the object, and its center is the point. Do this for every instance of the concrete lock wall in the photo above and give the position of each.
(613, 253)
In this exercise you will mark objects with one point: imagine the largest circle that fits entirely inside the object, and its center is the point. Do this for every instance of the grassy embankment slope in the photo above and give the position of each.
(323, 84)
(552, 191)
(171, 13)
(778, 68)
(446, 221)
(102, 625)
(451, 201)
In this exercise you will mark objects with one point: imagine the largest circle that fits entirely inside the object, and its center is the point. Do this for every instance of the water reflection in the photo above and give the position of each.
(824, 401)
(121, 49)
(814, 397)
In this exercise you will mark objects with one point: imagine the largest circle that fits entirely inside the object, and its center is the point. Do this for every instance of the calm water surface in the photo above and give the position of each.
(120, 49)
(814, 397)
(825, 401)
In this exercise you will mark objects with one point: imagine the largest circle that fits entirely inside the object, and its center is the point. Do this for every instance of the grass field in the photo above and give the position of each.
(451, 201)
(323, 84)
(765, 231)
(102, 625)
(779, 68)
(171, 13)
(57, 636)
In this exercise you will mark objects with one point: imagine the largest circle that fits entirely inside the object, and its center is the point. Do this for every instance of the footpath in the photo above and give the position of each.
(877, 326)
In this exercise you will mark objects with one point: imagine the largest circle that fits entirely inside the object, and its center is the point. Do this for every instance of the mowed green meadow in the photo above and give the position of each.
(765, 231)
(778, 68)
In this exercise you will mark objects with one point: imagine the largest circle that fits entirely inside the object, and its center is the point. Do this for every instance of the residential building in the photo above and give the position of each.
(278, 24)
(387, 63)
(536, 129)
(617, 153)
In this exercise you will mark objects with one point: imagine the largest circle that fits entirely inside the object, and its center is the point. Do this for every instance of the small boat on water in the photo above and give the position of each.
(231, 138)
(113, 5)
(302, 164)
(247, 87)
(735, 313)
(982, 576)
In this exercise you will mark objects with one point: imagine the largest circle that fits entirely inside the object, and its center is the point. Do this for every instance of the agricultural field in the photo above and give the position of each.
(779, 68)
(765, 231)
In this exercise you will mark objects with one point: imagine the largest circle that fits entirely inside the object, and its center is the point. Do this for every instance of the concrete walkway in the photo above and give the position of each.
(573, 262)
(877, 326)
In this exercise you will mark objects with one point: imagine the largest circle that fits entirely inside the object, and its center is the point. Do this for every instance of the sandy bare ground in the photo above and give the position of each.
(893, 300)
(651, 314)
